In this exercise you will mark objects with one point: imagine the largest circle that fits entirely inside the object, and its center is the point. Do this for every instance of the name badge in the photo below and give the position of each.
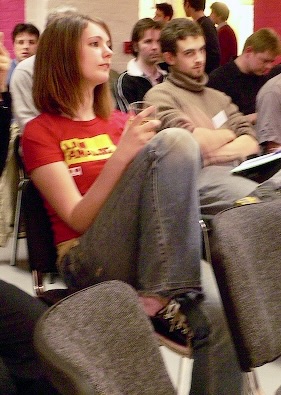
(219, 119)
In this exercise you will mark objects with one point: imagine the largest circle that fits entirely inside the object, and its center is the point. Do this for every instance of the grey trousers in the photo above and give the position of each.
(219, 189)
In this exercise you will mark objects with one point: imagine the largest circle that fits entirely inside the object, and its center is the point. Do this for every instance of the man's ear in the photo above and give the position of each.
(135, 47)
(248, 49)
(169, 58)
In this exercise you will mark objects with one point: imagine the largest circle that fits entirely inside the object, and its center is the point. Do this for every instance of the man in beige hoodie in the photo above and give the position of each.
(223, 133)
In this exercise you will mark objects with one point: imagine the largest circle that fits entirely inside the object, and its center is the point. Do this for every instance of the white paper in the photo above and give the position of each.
(255, 162)
(219, 119)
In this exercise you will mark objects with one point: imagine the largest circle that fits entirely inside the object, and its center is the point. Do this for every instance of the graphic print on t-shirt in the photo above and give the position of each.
(79, 150)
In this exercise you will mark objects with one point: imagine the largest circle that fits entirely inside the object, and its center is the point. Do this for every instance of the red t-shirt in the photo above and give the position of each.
(83, 145)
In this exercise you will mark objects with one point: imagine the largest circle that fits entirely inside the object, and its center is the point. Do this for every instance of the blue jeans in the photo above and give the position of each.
(216, 370)
(148, 235)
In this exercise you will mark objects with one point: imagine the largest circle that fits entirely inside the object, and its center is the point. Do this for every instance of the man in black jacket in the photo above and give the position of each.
(143, 71)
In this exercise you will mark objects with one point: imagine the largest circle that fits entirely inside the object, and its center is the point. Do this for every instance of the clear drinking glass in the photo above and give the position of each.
(138, 106)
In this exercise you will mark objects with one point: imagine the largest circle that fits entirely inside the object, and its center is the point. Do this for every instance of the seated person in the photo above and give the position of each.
(5, 104)
(242, 78)
(142, 71)
(274, 71)
(25, 40)
(195, 10)
(123, 199)
(269, 115)
(164, 13)
(22, 79)
(224, 135)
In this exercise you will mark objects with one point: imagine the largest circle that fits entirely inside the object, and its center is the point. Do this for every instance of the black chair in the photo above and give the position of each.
(42, 253)
(18, 218)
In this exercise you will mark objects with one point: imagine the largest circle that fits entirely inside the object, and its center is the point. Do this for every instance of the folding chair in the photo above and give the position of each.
(246, 253)
(18, 218)
(42, 257)
(99, 341)
(42, 253)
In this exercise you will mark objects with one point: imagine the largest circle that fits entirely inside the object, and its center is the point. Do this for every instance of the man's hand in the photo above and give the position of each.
(252, 118)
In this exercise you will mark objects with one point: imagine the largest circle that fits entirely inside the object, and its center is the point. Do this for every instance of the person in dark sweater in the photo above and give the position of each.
(195, 10)
(242, 78)
(274, 71)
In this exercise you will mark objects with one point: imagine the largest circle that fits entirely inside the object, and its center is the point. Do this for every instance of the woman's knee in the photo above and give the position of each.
(181, 141)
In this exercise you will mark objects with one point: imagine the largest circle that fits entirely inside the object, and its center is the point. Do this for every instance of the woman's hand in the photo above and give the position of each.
(5, 62)
(138, 131)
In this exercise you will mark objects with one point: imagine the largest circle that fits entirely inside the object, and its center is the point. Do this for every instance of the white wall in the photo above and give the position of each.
(120, 16)
(36, 12)
(241, 19)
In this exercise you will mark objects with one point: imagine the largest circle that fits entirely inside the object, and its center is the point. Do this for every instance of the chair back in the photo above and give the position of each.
(40, 242)
(99, 341)
(246, 252)
(42, 254)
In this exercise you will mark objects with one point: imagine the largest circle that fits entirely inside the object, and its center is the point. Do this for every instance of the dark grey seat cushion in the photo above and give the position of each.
(99, 341)
(246, 254)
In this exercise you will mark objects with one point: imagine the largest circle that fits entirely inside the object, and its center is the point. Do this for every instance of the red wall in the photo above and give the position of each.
(267, 14)
(11, 13)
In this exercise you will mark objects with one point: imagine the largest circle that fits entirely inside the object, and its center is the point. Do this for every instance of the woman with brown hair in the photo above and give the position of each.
(122, 198)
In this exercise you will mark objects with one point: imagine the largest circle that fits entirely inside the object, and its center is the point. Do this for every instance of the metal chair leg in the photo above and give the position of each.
(252, 384)
(204, 229)
(13, 259)
(16, 226)
(182, 374)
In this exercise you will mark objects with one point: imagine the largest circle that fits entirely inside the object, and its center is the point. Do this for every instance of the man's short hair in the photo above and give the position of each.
(264, 39)
(166, 8)
(25, 28)
(198, 5)
(221, 10)
(140, 28)
(178, 29)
